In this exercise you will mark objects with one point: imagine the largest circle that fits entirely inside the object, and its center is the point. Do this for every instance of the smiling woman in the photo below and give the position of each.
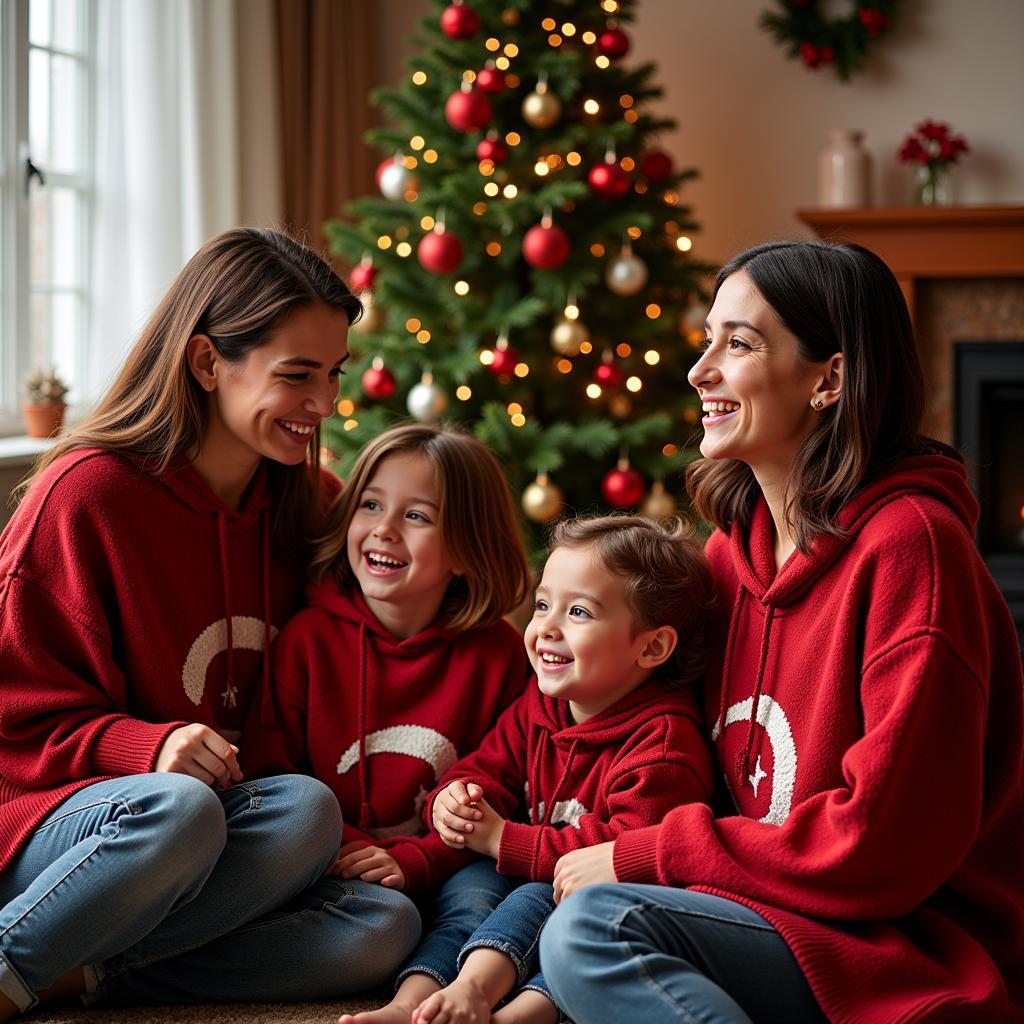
(156, 552)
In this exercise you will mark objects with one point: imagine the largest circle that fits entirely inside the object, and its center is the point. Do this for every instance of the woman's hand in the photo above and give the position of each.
(580, 868)
(198, 751)
(370, 863)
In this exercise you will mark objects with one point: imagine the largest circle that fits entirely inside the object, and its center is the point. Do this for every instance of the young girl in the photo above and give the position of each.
(157, 548)
(608, 738)
(402, 660)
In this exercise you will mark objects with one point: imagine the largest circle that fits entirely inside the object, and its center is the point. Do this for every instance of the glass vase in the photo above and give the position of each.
(933, 185)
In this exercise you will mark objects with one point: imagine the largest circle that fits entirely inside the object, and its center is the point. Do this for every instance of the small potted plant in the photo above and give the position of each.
(933, 149)
(44, 406)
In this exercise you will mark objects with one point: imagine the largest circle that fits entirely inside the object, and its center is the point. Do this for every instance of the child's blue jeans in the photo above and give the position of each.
(168, 891)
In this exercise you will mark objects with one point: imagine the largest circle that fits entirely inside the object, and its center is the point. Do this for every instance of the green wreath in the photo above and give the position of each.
(820, 42)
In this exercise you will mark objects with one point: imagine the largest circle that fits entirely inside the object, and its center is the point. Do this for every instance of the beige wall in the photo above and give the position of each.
(753, 121)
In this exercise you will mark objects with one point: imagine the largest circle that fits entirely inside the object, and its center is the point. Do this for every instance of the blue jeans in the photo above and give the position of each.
(646, 952)
(514, 928)
(168, 891)
(463, 903)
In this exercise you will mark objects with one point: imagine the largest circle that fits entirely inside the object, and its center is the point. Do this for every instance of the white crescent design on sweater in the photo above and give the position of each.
(773, 720)
(565, 812)
(247, 635)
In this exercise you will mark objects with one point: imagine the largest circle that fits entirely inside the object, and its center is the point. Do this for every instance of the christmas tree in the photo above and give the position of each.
(527, 269)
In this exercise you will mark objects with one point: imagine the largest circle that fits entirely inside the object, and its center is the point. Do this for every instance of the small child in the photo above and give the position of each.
(402, 661)
(609, 739)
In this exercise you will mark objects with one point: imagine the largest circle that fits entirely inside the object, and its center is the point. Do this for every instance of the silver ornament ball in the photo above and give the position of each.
(395, 181)
(626, 274)
(426, 401)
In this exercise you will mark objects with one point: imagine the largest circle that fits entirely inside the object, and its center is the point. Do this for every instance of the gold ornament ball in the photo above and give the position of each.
(542, 109)
(659, 504)
(620, 406)
(542, 500)
(373, 316)
(568, 336)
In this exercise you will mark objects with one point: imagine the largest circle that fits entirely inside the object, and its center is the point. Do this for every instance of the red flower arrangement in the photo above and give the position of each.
(934, 148)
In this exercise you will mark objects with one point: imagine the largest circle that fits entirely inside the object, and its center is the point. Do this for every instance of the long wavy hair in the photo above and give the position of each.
(238, 289)
(834, 297)
(477, 519)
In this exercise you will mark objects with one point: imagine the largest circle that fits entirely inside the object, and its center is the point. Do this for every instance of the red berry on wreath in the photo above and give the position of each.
(378, 382)
(613, 43)
(468, 111)
(656, 166)
(608, 181)
(623, 487)
(491, 79)
(459, 21)
(361, 277)
(608, 375)
(546, 246)
(491, 148)
(440, 252)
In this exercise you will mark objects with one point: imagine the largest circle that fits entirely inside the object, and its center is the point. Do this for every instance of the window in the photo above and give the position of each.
(47, 50)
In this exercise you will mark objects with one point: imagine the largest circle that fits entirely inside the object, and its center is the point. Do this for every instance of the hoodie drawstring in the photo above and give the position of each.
(723, 700)
(557, 791)
(267, 705)
(743, 763)
(365, 814)
(225, 581)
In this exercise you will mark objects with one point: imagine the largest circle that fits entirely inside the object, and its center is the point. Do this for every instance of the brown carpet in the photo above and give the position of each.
(222, 1013)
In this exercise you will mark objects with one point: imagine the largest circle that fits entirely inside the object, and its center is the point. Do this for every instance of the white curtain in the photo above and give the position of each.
(167, 158)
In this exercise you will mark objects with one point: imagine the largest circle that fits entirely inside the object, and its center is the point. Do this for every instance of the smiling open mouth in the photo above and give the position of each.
(383, 563)
(297, 431)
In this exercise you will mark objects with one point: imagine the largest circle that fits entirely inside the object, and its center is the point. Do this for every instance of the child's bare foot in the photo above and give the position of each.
(395, 1012)
(529, 1007)
(460, 1002)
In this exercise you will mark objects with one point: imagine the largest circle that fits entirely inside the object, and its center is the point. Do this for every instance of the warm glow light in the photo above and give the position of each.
(631, 117)
(461, 287)
(479, 209)
(346, 407)
(633, 232)
(430, 156)
(518, 420)
(486, 167)
(634, 384)
(493, 44)
(592, 106)
(586, 348)
(463, 392)
(511, 50)
(671, 227)
(609, 6)
(423, 337)
(521, 370)
(384, 242)
(554, 39)
(623, 350)
(684, 244)
(469, 76)
(412, 325)
(491, 188)
(513, 408)
(427, 222)
(512, 81)
(669, 450)
(568, 29)
(671, 197)
(513, 138)
(502, 63)
(417, 142)
(602, 62)
(510, 191)
(597, 249)
(627, 163)
(625, 101)
(593, 391)
(564, 366)
(589, 38)
(493, 248)
(572, 311)
(419, 78)
(653, 311)
(351, 424)
(486, 357)
(403, 249)
(548, 24)
(640, 187)
(573, 159)
(651, 357)
(540, 168)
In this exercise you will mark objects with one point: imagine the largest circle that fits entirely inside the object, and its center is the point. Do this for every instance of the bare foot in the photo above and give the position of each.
(394, 1013)
(461, 1001)
(529, 1007)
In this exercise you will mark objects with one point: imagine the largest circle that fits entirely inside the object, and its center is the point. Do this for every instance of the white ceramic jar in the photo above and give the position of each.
(844, 170)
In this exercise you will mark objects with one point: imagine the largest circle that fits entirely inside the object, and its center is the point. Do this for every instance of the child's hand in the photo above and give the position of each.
(486, 835)
(199, 751)
(454, 811)
(370, 863)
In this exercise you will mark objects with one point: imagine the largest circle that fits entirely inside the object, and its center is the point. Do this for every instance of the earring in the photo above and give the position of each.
(817, 404)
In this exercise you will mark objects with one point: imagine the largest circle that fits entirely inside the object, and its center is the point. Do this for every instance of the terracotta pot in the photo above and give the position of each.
(43, 419)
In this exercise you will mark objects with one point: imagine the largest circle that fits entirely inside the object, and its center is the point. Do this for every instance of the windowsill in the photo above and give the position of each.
(23, 451)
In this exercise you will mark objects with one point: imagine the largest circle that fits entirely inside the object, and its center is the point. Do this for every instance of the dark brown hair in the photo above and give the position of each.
(477, 519)
(666, 576)
(238, 289)
(834, 297)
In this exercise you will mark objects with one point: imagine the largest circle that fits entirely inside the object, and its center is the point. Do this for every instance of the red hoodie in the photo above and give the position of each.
(117, 588)
(880, 784)
(625, 768)
(346, 688)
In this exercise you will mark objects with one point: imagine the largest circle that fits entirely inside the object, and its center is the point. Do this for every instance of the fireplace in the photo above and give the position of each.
(989, 430)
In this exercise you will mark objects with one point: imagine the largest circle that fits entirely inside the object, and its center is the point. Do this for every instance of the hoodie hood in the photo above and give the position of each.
(935, 476)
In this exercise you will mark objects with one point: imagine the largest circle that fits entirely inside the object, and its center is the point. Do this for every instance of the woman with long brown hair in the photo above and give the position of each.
(865, 705)
(155, 553)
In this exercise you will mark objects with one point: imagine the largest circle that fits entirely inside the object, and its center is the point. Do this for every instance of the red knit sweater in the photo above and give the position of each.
(380, 719)
(115, 591)
(625, 768)
(871, 696)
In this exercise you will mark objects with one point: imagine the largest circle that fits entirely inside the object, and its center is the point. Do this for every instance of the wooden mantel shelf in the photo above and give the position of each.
(931, 241)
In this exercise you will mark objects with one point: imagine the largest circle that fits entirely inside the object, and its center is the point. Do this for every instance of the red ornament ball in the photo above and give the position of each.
(491, 149)
(504, 362)
(361, 277)
(491, 80)
(439, 252)
(623, 488)
(656, 166)
(546, 247)
(613, 42)
(459, 21)
(608, 181)
(381, 168)
(608, 375)
(378, 384)
(468, 111)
